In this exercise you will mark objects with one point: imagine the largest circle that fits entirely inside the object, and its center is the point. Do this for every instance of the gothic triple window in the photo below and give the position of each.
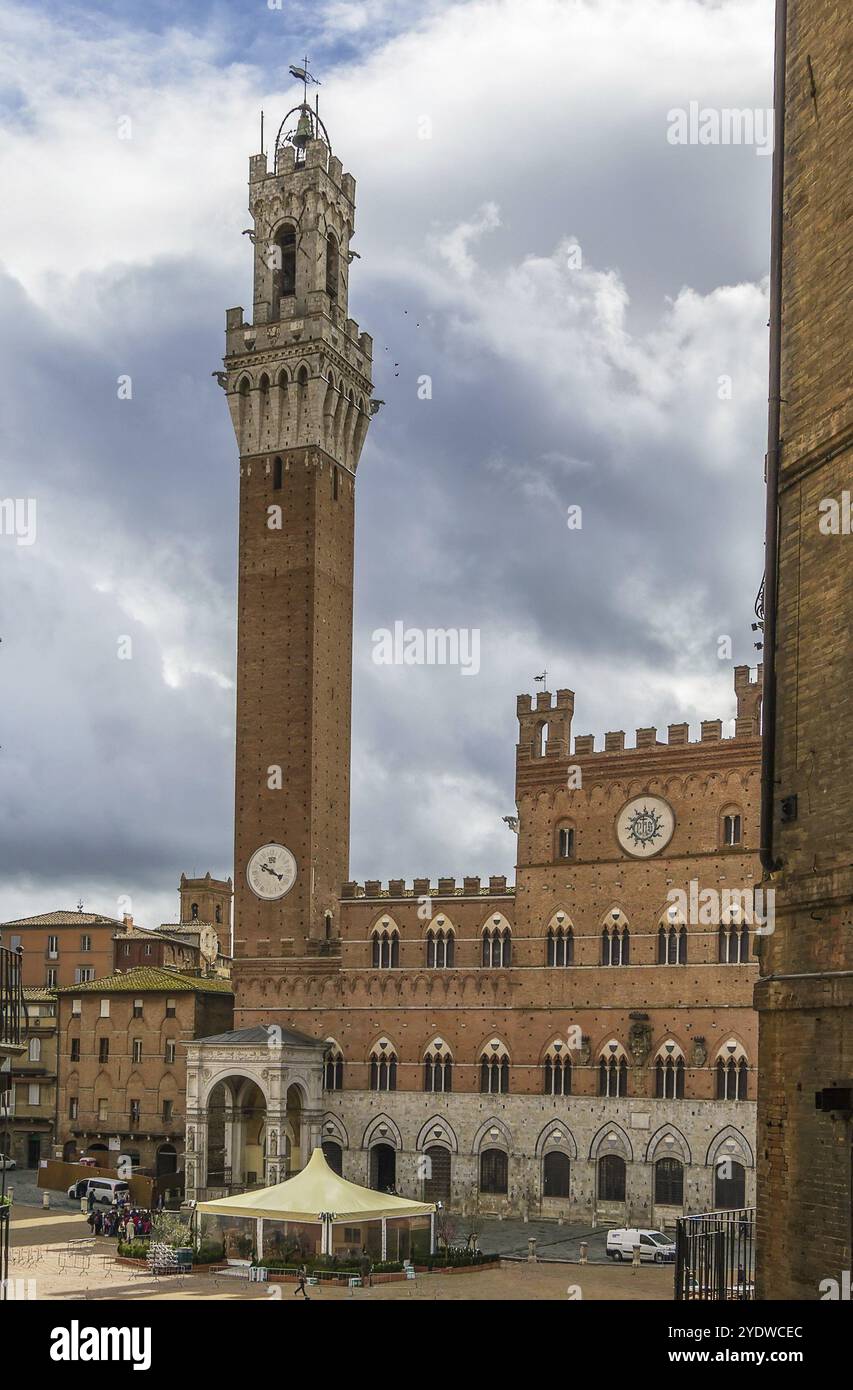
(383, 1066)
(333, 1070)
(560, 941)
(613, 1071)
(497, 943)
(733, 943)
(386, 946)
(615, 944)
(494, 1069)
(440, 944)
(557, 1070)
(669, 1072)
(732, 1072)
(438, 1067)
(672, 945)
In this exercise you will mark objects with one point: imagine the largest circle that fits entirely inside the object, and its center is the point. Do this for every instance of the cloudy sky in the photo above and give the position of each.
(590, 302)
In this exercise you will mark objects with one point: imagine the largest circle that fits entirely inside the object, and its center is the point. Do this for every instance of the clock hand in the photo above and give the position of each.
(266, 868)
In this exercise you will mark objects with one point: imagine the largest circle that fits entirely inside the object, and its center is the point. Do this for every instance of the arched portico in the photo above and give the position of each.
(254, 1108)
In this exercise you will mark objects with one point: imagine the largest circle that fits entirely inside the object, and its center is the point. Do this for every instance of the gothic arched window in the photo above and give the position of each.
(557, 1070)
(616, 943)
(494, 1069)
(383, 1066)
(669, 1072)
(613, 1071)
(440, 944)
(732, 1072)
(497, 943)
(438, 1067)
(386, 946)
(333, 1071)
(332, 266)
(284, 269)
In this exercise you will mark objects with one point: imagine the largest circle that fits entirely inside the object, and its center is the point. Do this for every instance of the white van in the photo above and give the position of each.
(654, 1245)
(107, 1191)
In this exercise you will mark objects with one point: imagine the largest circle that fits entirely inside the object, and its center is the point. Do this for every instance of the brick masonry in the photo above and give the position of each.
(805, 995)
(298, 389)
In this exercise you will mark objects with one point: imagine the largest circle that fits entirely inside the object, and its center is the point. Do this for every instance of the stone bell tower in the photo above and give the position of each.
(298, 379)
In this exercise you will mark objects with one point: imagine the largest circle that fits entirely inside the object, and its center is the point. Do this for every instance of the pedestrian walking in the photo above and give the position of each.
(301, 1276)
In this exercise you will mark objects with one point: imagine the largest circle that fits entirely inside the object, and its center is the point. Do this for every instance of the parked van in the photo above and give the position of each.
(654, 1245)
(107, 1191)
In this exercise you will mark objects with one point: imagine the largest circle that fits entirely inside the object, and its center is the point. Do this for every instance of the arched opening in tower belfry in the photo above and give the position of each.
(332, 266)
(284, 269)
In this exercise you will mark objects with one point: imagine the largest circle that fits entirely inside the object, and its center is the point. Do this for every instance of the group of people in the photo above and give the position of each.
(126, 1223)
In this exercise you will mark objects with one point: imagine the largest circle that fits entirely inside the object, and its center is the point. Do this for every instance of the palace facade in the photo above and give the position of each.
(578, 1044)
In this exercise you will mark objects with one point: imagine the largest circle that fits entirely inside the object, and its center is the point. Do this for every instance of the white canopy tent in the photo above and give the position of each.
(319, 1213)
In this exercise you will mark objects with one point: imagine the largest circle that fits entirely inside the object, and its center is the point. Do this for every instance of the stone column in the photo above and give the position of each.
(275, 1170)
(312, 1133)
(195, 1158)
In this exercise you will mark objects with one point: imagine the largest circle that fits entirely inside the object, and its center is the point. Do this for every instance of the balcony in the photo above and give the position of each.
(12, 1007)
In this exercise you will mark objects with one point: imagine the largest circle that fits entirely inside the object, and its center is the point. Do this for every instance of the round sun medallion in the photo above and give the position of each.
(644, 826)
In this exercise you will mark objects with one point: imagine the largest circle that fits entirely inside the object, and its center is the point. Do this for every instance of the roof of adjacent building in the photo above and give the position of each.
(64, 919)
(142, 933)
(259, 1036)
(152, 978)
(38, 994)
(194, 926)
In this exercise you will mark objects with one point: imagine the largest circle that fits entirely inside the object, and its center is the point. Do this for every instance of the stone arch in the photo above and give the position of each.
(374, 1134)
(334, 1129)
(226, 1073)
(740, 1149)
(548, 1140)
(493, 1134)
(657, 1146)
(446, 1139)
(611, 1139)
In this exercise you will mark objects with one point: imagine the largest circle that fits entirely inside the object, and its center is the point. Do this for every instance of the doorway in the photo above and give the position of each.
(33, 1150)
(383, 1168)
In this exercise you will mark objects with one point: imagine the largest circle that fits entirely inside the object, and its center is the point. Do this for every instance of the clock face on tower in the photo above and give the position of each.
(644, 826)
(271, 872)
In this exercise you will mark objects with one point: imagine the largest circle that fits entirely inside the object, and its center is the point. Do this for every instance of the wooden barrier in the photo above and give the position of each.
(57, 1176)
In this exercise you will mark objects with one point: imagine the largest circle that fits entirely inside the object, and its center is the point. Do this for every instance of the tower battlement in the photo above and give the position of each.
(545, 726)
(470, 887)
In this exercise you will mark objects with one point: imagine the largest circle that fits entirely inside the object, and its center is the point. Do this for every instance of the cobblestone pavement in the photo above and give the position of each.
(24, 1182)
(553, 1242)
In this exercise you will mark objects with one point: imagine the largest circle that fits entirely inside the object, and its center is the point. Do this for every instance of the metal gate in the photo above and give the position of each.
(715, 1256)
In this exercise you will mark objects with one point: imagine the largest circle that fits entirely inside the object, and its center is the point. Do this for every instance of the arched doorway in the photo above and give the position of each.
(167, 1160)
(383, 1168)
(729, 1184)
(69, 1152)
(556, 1175)
(437, 1174)
(293, 1115)
(334, 1156)
(251, 1123)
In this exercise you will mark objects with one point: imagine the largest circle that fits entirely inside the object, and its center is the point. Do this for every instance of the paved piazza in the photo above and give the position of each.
(41, 1252)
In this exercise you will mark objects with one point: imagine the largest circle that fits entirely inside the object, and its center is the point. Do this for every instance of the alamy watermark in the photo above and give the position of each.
(18, 518)
(724, 125)
(431, 646)
(709, 907)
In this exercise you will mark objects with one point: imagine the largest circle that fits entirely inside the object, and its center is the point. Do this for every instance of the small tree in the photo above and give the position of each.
(170, 1228)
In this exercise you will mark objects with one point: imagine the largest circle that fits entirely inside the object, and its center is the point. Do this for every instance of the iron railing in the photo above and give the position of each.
(715, 1256)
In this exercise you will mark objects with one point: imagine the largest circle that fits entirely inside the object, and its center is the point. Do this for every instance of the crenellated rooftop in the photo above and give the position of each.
(422, 888)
